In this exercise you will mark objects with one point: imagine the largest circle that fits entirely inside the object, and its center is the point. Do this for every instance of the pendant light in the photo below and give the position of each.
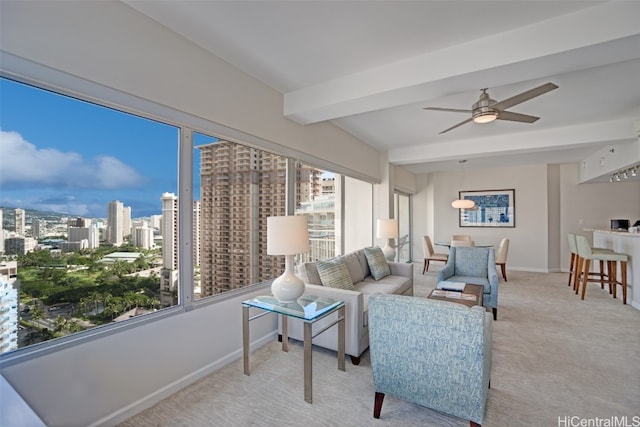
(462, 203)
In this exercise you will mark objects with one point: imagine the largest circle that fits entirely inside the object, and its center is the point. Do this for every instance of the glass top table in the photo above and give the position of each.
(309, 309)
(306, 308)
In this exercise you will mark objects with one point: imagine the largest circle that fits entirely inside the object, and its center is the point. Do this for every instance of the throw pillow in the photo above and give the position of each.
(377, 263)
(335, 274)
(311, 273)
(353, 265)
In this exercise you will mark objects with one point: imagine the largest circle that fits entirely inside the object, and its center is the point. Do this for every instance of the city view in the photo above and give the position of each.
(90, 231)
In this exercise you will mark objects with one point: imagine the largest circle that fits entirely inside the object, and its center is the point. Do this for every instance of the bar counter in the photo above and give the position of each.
(626, 243)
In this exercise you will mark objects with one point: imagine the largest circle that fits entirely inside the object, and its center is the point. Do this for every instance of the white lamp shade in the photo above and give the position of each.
(463, 204)
(287, 235)
(387, 229)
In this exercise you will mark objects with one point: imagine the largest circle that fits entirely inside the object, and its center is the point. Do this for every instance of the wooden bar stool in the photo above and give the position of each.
(586, 254)
(575, 263)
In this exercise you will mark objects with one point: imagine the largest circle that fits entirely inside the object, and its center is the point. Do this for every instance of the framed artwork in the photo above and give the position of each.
(494, 208)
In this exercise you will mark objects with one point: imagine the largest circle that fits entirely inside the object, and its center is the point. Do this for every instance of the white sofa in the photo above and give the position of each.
(399, 282)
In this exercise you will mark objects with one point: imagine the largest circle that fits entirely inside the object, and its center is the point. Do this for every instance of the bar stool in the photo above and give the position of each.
(575, 263)
(587, 255)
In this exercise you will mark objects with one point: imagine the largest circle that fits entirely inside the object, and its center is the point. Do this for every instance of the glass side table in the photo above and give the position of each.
(309, 309)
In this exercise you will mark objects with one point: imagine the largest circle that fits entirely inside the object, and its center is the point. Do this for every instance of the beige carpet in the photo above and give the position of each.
(554, 357)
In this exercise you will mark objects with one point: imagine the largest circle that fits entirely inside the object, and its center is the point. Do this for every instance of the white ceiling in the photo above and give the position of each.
(371, 66)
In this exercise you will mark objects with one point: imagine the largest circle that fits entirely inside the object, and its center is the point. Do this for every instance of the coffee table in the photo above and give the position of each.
(308, 308)
(452, 296)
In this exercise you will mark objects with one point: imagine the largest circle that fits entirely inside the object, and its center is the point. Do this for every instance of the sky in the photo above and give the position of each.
(64, 155)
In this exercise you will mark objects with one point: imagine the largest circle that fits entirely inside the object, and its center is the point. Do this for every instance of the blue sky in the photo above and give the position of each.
(64, 155)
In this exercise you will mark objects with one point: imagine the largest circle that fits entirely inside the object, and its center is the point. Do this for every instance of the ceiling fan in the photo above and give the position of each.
(487, 110)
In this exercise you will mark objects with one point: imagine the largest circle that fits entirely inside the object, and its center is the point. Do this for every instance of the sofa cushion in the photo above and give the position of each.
(363, 262)
(309, 273)
(335, 274)
(355, 269)
(377, 263)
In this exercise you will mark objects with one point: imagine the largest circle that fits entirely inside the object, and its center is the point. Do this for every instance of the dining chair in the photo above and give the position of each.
(430, 254)
(501, 256)
(460, 237)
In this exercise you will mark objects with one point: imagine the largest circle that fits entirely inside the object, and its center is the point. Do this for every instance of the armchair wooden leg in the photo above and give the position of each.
(472, 424)
(495, 313)
(377, 407)
(355, 360)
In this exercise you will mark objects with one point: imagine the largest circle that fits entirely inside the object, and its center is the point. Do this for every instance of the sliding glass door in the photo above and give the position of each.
(402, 211)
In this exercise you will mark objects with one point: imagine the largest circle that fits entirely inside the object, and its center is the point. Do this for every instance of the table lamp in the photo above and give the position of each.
(387, 229)
(288, 236)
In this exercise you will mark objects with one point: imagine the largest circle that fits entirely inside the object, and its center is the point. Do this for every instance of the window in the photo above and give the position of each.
(239, 187)
(340, 211)
(402, 209)
(92, 221)
(83, 192)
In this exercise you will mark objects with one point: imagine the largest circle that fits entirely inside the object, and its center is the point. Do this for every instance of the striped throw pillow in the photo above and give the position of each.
(335, 274)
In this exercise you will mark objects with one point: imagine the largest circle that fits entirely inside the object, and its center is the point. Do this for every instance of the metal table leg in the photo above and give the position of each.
(308, 362)
(245, 339)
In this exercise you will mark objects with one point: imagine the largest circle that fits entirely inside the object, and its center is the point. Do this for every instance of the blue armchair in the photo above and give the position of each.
(432, 353)
(477, 266)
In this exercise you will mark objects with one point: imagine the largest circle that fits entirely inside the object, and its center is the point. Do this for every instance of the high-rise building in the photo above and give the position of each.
(20, 222)
(8, 306)
(126, 221)
(19, 245)
(38, 228)
(154, 221)
(90, 234)
(240, 187)
(143, 237)
(196, 232)
(115, 223)
(169, 230)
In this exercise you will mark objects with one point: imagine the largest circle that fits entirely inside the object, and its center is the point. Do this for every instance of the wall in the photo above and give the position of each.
(434, 215)
(549, 203)
(589, 206)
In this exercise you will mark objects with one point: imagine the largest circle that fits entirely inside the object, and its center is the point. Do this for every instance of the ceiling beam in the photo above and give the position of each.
(528, 142)
(526, 53)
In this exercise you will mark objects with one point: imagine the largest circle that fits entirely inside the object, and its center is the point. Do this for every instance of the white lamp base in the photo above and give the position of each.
(288, 287)
(389, 252)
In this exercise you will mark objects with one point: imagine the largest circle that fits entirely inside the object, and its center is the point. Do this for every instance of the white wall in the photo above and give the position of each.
(549, 203)
(592, 206)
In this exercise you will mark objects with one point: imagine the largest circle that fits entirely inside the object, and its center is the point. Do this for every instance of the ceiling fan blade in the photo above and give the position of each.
(524, 96)
(455, 126)
(516, 117)
(453, 110)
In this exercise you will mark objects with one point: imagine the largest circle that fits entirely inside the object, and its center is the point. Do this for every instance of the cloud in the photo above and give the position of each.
(24, 165)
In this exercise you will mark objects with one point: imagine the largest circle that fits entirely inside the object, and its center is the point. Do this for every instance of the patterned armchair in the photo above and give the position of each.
(474, 265)
(432, 353)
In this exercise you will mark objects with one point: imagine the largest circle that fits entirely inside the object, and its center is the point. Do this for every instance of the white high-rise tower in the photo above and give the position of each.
(115, 223)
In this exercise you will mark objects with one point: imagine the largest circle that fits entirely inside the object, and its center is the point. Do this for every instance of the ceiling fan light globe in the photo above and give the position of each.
(485, 117)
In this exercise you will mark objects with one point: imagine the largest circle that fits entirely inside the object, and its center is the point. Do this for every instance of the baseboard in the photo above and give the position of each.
(148, 401)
